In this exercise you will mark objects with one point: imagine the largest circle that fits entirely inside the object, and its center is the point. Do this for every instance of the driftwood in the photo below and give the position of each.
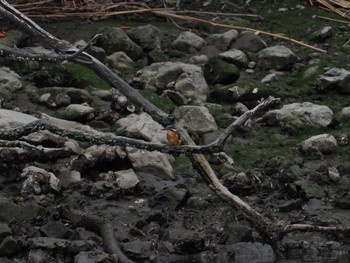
(267, 227)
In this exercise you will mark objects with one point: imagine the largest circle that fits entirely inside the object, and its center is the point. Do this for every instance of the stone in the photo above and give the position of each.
(138, 249)
(120, 60)
(236, 57)
(8, 246)
(114, 39)
(68, 177)
(155, 163)
(91, 257)
(155, 56)
(186, 241)
(333, 174)
(217, 71)
(188, 42)
(147, 37)
(10, 211)
(196, 119)
(177, 97)
(297, 116)
(125, 179)
(311, 72)
(224, 40)
(247, 41)
(74, 246)
(251, 252)
(5, 231)
(9, 80)
(98, 53)
(344, 114)
(185, 78)
(325, 143)
(334, 79)
(13, 119)
(56, 229)
(199, 60)
(269, 78)
(78, 112)
(323, 34)
(174, 196)
(276, 57)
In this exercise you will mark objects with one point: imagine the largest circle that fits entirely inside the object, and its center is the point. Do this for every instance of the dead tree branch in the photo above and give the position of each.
(111, 139)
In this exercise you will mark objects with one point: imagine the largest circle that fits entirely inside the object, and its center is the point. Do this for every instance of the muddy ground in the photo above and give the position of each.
(152, 225)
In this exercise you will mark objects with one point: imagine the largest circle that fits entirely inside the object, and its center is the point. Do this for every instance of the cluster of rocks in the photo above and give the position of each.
(196, 73)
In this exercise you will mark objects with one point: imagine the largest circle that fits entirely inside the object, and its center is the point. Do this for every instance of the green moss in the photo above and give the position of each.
(221, 118)
(163, 103)
(86, 76)
(217, 71)
(182, 165)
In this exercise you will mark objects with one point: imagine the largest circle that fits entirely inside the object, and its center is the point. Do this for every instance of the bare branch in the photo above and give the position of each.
(21, 55)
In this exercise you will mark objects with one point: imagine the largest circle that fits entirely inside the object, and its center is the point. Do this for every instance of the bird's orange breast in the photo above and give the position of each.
(173, 138)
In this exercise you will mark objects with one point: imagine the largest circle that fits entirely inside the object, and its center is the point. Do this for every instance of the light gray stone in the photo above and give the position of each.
(276, 57)
(188, 42)
(12, 119)
(126, 179)
(195, 119)
(300, 116)
(325, 143)
(344, 114)
(334, 79)
(9, 80)
(235, 56)
(269, 78)
(323, 34)
(224, 40)
(185, 78)
(78, 111)
(120, 60)
(247, 41)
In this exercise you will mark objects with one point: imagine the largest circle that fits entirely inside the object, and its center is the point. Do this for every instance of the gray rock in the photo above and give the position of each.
(323, 34)
(12, 119)
(146, 37)
(155, 163)
(199, 60)
(5, 231)
(311, 71)
(188, 42)
(300, 116)
(333, 174)
(143, 126)
(224, 40)
(8, 246)
(177, 97)
(114, 39)
(138, 249)
(186, 241)
(249, 42)
(196, 119)
(78, 112)
(276, 57)
(68, 177)
(344, 114)
(325, 143)
(9, 80)
(252, 252)
(56, 229)
(174, 196)
(125, 179)
(188, 79)
(120, 60)
(60, 244)
(269, 78)
(335, 78)
(236, 57)
(60, 96)
(10, 211)
(90, 257)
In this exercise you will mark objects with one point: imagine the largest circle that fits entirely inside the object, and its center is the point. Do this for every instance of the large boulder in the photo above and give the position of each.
(276, 57)
(300, 116)
(114, 39)
(185, 78)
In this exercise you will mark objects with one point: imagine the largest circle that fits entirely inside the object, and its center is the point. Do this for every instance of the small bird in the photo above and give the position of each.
(173, 136)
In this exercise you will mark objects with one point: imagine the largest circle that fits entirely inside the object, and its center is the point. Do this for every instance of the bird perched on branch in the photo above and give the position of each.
(173, 136)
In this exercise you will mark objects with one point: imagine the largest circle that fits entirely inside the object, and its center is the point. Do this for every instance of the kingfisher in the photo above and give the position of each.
(173, 136)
